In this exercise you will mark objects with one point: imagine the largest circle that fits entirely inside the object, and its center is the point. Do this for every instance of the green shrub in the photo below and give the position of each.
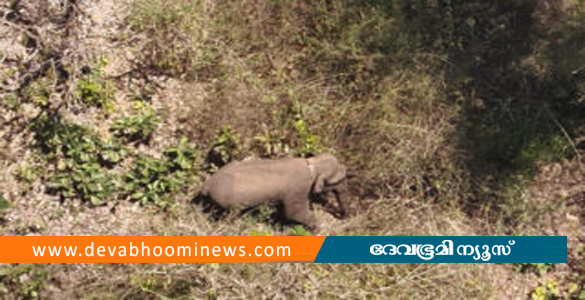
(291, 135)
(27, 174)
(137, 128)
(80, 159)
(307, 143)
(225, 148)
(271, 144)
(157, 180)
(93, 90)
(39, 91)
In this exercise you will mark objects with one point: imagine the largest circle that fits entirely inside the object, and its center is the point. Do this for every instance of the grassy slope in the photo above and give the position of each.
(444, 112)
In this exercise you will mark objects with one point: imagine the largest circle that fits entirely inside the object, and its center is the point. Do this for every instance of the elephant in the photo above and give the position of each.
(290, 181)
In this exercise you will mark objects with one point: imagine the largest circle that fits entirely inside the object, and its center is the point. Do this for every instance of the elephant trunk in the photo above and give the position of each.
(341, 198)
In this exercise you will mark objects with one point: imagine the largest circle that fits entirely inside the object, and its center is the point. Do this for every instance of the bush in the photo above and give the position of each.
(81, 160)
(156, 181)
(225, 148)
(137, 128)
(290, 135)
(93, 90)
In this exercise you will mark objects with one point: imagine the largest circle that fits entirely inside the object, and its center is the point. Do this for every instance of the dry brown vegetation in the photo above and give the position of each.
(457, 118)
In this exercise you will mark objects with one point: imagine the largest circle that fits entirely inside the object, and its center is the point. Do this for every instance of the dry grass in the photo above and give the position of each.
(269, 280)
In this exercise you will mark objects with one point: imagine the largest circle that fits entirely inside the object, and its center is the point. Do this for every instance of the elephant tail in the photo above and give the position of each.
(206, 185)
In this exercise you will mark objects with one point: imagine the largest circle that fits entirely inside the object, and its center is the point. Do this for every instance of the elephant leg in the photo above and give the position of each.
(297, 208)
(343, 204)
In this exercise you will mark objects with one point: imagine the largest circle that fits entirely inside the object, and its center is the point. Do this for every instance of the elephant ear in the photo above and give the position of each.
(319, 184)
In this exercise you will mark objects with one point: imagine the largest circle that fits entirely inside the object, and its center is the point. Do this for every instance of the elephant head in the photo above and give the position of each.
(329, 176)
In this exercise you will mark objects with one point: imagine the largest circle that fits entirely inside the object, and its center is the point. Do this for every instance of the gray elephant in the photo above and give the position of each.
(290, 181)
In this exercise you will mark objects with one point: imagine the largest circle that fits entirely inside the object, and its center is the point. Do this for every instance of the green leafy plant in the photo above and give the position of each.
(10, 101)
(256, 232)
(93, 90)
(226, 147)
(547, 291)
(574, 290)
(25, 280)
(150, 283)
(81, 160)
(39, 91)
(299, 230)
(4, 204)
(290, 134)
(271, 143)
(84, 180)
(155, 181)
(137, 128)
(308, 143)
(298, 141)
(539, 268)
(27, 174)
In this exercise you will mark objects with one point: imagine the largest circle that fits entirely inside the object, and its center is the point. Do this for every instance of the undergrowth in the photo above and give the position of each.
(139, 127)
(93, 90)
(156, 181)
(81, 160)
